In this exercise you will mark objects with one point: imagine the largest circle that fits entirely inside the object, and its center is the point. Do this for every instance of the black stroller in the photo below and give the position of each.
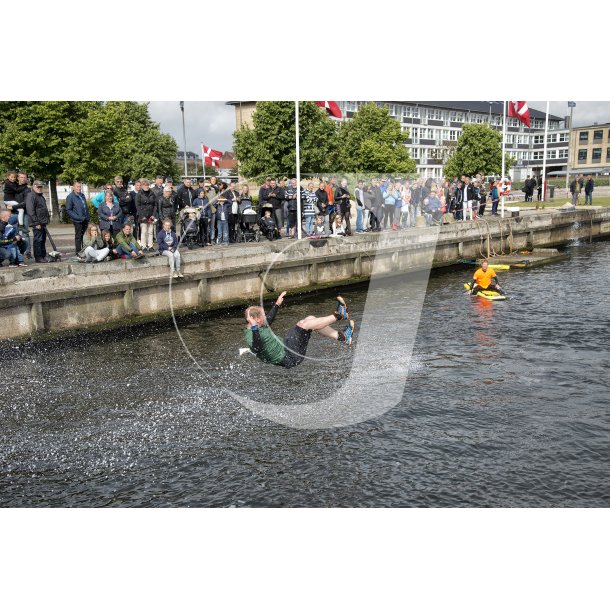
(247, 223)
(189, 227)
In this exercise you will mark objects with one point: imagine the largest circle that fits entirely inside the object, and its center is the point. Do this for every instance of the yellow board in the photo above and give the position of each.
(490, 295)
(499, 267)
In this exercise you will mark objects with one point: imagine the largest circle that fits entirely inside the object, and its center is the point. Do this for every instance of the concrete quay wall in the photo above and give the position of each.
(50, 300)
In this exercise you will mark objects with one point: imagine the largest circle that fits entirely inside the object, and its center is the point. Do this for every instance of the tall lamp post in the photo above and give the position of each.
(571, 107)
(184, 138)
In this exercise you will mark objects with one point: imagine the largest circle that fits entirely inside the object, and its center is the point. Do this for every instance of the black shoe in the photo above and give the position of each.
(41, 260)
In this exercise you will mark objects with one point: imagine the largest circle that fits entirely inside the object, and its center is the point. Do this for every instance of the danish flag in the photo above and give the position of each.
(211, 157)
(519, 110)
(332, 108)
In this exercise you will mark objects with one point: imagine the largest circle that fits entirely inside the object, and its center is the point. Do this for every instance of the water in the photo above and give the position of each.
(506, 404)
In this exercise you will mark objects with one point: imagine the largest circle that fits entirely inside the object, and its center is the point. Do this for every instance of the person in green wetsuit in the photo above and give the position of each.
(291, 351)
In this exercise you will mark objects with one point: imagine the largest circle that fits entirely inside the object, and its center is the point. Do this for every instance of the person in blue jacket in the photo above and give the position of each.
(77, 210)
(98, 198)
(167, 242)
(223, 212)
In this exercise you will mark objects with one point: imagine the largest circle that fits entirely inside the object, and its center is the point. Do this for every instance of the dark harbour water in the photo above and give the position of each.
(506, 404)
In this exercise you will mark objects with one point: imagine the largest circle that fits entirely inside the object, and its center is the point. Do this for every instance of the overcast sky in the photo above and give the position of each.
(213, 123)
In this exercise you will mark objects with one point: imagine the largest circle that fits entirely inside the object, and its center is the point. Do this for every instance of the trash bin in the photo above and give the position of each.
(551, 191)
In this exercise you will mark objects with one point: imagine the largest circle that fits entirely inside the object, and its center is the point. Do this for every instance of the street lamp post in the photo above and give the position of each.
(184, 138)
(571, 106)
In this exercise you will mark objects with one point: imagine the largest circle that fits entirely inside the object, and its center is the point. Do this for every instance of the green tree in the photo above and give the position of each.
(119, 138)
(478, 151)
(373, 142)
(269, 147)
(33, 137)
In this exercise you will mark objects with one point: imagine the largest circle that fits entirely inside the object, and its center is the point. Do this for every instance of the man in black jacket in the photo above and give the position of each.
(36, 209)
(157, 188)
(127, 200)
(186, 194)
(146, 206)
(342, 201)
(263, 193)
(589, 186)
(276, 197)
(322, 196)
(233, 198)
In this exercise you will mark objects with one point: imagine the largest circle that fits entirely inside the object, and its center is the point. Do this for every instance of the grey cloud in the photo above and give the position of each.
(585, 113)
(212, 123)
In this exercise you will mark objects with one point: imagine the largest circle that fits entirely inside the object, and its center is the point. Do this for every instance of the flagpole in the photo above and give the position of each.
(503, 155)
(298, 150)
(571, 105)
(546, 132)
(203, 160)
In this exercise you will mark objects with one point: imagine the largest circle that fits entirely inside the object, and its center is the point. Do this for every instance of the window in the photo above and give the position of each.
(453, 134)
(406, 111)
(538, 139)
(537, 156)
(538, 124)
(598, 134)
(453, 116)
(562, 153)
(510, 138)
(445, 134)
(415, 132)
(552, 137)
(564, 137)
(582, 155)
(583, 137)
(415, 153)
(460, 117)
(551, 154)
(415, 112)
(607, 154)
(597, 155)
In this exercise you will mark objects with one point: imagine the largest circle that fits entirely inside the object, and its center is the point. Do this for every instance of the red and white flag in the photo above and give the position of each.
(211, 157)
(332, 108)
(519, 110)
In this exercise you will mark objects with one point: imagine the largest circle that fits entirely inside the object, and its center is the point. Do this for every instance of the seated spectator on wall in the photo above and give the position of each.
(338, 227)
(109, 214)
(167, 242)
(93, 250)
(127, 245)
(12, 245)
(319, 229)
(108, 241)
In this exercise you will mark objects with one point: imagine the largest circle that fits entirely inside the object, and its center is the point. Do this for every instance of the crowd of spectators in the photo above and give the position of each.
(156, 217)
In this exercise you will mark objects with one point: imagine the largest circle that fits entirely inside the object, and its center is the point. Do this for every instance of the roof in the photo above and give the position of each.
(474, 106)
(483, 107)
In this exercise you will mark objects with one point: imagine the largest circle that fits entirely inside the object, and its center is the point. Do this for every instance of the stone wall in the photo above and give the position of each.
(49, 300)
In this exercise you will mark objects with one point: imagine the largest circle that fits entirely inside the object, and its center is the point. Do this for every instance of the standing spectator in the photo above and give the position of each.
(468, 197)
(417, 199)
(322, 196)
(146, 208)
(342, 201)
(168, 246)
(575, 190)
(494, 196)
(36, 209)
(126, 200)
(185, 195)
(330, 190)
(276, 197)
(77, 210)
(310, 203)
(458, 202)
(99, 198)
(166, 205)
(539, 184)
(291, 194)
(232, 198)
(223, 213)
(476, 201)
(205, 215)
(389, 205)
(158, 187)
(359, 194)
(212, 195)
(589, 186)
(377, 209)
(109, 214)
(263, 193)
(93, 246)
(405, 195)
(127, 245)
(10, 190)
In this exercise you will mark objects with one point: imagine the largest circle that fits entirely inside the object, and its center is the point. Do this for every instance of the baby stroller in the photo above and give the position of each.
(189, 227)
(247, 227)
